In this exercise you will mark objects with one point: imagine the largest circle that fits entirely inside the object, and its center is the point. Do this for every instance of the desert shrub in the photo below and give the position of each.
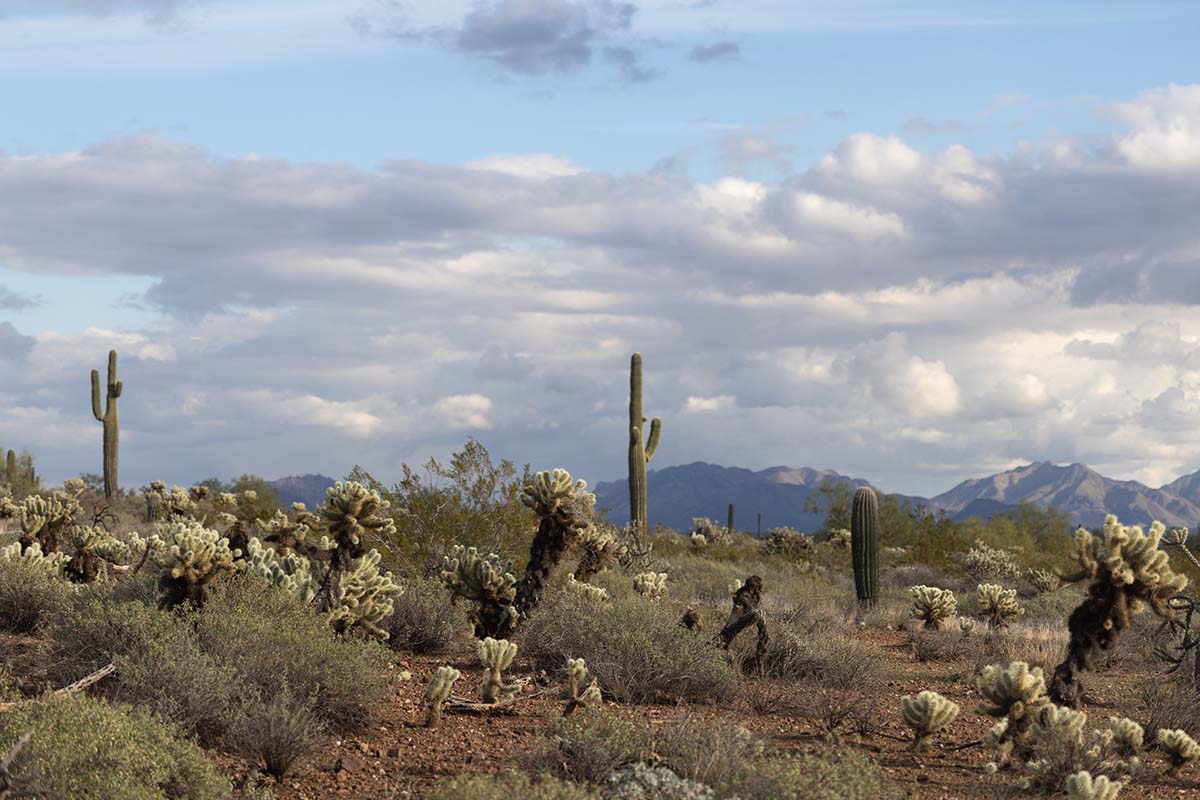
(87, 749)
(276, 730)
(908, 575)
(424, 621)
(1172, 704)
(644, 782)
(593, 743)
(704, 751)
(509, 785)
(636, 649)
(845, 776)
(273, 640)
(29, 595)
(929, 646)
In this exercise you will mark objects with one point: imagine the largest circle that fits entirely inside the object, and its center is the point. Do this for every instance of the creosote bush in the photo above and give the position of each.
(637, 650)
(85, 748)
(509, 786)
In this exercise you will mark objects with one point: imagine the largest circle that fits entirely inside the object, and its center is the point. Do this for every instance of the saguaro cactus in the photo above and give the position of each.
(109, 417)
(729, 526)
(639, 453)
(864, 545)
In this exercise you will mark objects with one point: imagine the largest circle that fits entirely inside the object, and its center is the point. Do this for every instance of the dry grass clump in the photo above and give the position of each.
(423, 621)
(635, 648)
(591, 744)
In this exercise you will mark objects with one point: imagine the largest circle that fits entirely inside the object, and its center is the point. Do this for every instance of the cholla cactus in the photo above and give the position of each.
(580, 696)
(351, 511)
(1125, 570)
(485, 581)
(437, 692)
(51, 563)
(839, 538)
(178, 503)
(291, 533)
(496, 656)
(599, 550)
(787, 543)
(983, 561)
(94, 547)
(926, 714)
(1178, 748)
(1124, 738)
(706, 532)
(933, 605)
(365, 597)
(698, 541)
(651, 584)
(596, 594)
(290, 572)
(555, 492)
(966, 625)
(1061, 745)
(998, 604)
(1017, 694)
(1043, 580)
(43, 519)
(640, 781)
(1081, 786)
(237, 513)
(191, 558)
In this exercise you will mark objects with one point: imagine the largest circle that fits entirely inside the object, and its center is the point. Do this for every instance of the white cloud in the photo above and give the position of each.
(465, 411)
(703, 404)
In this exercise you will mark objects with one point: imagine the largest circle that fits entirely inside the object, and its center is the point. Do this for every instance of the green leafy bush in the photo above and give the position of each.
(635, 649)
(86, 749)
(507, 786)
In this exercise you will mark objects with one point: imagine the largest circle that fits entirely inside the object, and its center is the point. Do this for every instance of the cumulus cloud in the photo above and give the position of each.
(907, 315)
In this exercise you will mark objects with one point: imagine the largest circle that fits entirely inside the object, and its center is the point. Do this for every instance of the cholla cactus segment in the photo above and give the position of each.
(651, 584)
(437, 692)
(291, 534)
(43, 518)
(52, 564)
(480, 578)
(998, 604)
(8, 507)
(698, 541)
(351, 511)
(926, 714)
(1043, 580)
(580, 696)
(1124, 556)
(191, 557)
(101, 543)
(365, 597)
(496, 655)
(1017, 691)
(983, 561)
(933, 605)
(556, 494)
(178, 503)
(1178, 748)
(1062, 723)
(966, 625)
(596, 594)
(1082, 786)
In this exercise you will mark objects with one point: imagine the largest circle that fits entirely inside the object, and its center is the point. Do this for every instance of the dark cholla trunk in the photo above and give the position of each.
(84, 568)
(744, 614)
(1089, 633)
(544, 554)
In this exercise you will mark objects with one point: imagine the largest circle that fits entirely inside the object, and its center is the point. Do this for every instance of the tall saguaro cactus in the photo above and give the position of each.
(109, 417)
(864, 545)
(639, 453)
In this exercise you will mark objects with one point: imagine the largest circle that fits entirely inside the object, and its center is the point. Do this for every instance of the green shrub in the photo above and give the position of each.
(273, 640)
(593, 743)
(507, 786)
(86, 749)
(846, 776)
(29, 596)
(276, 730)
(636, 649)
(424, 620)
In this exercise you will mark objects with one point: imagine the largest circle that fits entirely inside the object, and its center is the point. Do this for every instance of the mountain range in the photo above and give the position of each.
(680, 493)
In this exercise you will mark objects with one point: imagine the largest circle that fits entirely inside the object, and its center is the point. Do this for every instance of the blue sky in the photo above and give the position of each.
(231, 189)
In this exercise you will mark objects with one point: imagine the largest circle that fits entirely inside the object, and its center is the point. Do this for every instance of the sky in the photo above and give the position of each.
(914, 242)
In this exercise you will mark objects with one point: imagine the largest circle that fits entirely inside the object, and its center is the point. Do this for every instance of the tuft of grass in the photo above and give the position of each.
(29, 596)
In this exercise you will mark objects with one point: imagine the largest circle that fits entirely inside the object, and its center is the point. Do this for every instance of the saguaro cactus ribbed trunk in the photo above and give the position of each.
(864, 545)
(730, 525)
(108, 415)
(639, 453)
